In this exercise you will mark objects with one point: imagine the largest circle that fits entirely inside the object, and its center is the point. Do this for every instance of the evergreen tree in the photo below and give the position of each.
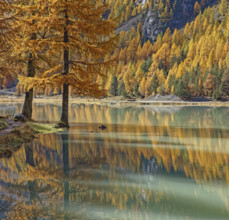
(114, 86)
(225, 82)
(154, 84)
(217, 94)
(181, 90)
(135, 89)
(146, 65)
(122, 89)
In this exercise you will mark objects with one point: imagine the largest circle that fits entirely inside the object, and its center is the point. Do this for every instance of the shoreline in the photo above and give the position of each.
(115, 101)
(13, 133)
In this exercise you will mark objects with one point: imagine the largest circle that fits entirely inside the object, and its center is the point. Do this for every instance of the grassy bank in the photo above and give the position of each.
(14, 134)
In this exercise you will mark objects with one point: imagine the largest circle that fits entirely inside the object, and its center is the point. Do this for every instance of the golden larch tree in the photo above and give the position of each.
(77, 32)
(27, 50)
(6, 38)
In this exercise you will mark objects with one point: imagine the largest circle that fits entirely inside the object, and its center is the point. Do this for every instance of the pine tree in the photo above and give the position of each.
(146, 65)
(154, 84)
(114, 86)
(225, 82)
(135, 89)
(181, 90)
(122, 89)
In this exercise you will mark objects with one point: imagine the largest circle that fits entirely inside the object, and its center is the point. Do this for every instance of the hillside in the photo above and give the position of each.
(190, 61)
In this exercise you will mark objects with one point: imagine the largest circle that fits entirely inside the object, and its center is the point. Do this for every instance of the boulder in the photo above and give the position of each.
(19, 117)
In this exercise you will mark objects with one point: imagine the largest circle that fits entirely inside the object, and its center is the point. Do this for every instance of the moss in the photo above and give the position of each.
(11, 142)
(3, 124)
(44, 128)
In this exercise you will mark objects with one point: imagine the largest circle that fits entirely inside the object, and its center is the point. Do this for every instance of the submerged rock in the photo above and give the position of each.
(102, 127)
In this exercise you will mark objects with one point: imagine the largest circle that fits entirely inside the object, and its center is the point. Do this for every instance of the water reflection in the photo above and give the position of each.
(64, 138)
(194, 117)
(172, 164)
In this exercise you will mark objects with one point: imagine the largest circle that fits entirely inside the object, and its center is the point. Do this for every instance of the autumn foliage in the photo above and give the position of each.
(196, 57)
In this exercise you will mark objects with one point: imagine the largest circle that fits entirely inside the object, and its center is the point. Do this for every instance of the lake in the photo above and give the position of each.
(150, 162)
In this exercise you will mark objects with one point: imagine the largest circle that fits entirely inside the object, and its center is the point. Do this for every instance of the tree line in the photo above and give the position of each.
(188, 63)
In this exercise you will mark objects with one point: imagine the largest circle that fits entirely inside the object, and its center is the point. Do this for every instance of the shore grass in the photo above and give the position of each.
(12, 138)
(43, 128)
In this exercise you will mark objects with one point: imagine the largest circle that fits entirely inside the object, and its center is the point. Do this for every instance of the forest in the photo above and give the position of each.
(188, 62)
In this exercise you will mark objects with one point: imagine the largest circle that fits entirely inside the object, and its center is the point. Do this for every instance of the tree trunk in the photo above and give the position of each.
(27, 108)
(65, 100)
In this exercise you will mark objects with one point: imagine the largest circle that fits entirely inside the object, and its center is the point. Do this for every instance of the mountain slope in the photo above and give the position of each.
(192, 61)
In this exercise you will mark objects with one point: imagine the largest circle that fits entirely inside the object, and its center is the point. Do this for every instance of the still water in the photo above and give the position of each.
(149, 163)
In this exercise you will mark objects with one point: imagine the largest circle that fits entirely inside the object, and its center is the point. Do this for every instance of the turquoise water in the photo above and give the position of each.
(149, 163)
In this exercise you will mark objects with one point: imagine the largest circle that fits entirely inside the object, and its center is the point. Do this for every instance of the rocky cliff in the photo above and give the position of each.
(152, 25)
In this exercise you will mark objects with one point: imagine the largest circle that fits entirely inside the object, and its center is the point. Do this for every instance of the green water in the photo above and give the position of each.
(149, 163)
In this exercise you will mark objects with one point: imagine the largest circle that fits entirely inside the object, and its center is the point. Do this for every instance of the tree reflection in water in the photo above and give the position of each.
(64, 138)
(170, 163)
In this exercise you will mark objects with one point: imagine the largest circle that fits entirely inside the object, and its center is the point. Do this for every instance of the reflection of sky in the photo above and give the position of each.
(152, 170)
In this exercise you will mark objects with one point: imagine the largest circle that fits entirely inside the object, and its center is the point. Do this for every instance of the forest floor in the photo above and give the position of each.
(15, 133)
(117, 100)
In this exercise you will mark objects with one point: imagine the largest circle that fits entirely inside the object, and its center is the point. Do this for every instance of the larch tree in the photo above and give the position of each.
(3, 26)
(27, 50)
(197, 8)
(76, 31)
(6, 36)
(223, 7)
